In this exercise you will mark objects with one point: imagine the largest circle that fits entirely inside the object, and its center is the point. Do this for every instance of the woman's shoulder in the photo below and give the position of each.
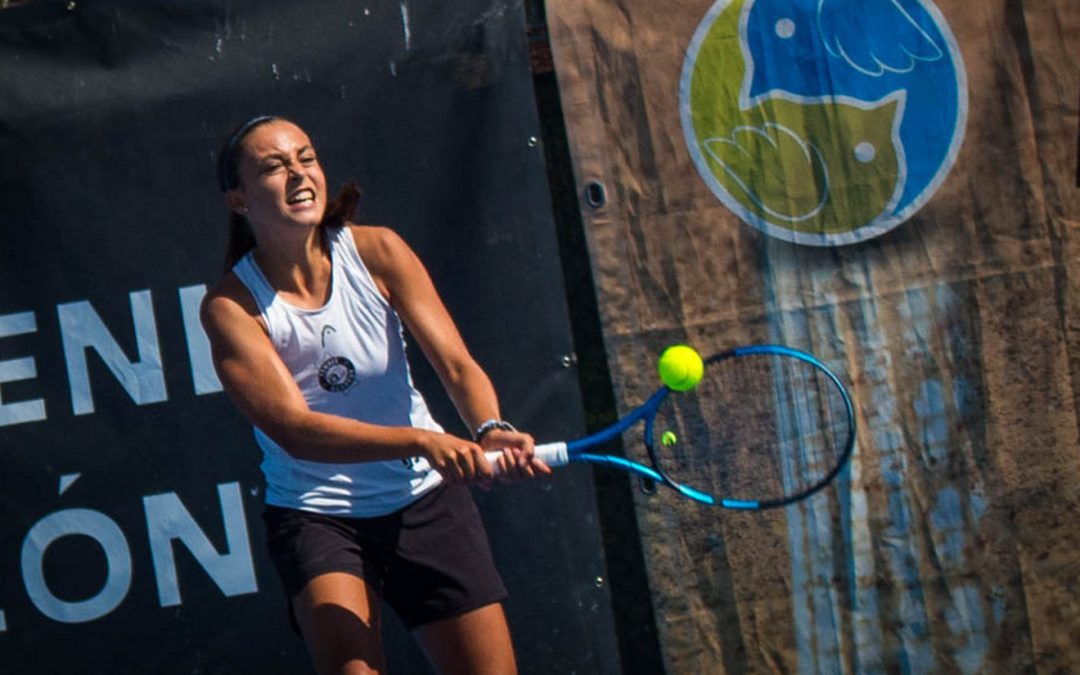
(393, 266)
(228, 296)
(379, 246)
(374, 237)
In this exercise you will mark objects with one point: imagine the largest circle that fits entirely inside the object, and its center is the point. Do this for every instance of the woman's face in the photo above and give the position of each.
(281, 181)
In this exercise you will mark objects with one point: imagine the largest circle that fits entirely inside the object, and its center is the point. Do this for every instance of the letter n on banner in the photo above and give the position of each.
(167, 519)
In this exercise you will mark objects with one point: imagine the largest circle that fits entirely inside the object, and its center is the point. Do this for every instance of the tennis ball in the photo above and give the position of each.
(668, 438)
(680, 367)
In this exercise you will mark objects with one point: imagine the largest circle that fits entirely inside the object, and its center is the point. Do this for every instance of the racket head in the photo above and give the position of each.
(767, 425)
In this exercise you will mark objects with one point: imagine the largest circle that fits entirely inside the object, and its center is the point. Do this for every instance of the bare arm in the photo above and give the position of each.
(260, 385)
(404, 280)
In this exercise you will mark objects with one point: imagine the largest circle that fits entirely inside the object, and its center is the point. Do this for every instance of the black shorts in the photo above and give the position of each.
(429, 561)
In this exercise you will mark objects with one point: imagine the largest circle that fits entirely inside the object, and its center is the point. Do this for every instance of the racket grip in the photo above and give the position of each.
(552, 454)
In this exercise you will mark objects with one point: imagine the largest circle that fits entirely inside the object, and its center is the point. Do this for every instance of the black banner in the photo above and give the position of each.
(130, 537)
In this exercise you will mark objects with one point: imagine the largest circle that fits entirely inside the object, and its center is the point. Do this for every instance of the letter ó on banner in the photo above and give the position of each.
(99, 527)
(18, 369)
(167, 518)
(82, 328)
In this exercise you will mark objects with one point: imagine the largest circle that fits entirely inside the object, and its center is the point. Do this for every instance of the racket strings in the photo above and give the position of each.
(758, 427)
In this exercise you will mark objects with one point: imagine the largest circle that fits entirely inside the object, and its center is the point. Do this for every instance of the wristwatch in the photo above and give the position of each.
(487, 426)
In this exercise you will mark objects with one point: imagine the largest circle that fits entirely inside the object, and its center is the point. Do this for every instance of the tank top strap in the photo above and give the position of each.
(348, 258)
(247, 270)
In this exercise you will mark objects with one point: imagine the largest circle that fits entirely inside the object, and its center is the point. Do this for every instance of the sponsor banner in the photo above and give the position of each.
(130, 493)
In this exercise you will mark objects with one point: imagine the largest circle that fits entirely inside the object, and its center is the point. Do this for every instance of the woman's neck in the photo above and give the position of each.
(297, 267)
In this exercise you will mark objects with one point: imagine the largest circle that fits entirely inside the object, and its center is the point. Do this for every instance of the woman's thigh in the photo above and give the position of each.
(340, 619)
(474, 643)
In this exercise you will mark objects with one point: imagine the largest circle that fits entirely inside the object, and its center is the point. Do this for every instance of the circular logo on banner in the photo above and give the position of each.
(823, 122)
(336, 373)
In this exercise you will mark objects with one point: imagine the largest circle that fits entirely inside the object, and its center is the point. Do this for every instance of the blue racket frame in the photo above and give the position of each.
(577, 449)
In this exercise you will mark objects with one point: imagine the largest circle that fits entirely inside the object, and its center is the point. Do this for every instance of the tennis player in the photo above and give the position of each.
(306, 328)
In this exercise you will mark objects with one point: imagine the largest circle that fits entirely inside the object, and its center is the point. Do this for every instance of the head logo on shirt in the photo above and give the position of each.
(823, 122)
(336, 373)
(326, 331)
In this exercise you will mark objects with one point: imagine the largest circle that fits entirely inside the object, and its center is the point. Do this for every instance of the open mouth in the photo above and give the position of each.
(301, 197)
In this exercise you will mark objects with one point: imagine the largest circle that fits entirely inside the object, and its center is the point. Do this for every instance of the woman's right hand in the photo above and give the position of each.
(456, 459)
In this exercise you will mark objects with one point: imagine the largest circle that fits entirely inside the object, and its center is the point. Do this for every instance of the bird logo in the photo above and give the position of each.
(823, 122)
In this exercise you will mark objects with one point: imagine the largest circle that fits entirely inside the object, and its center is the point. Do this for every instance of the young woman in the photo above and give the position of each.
(306, 330)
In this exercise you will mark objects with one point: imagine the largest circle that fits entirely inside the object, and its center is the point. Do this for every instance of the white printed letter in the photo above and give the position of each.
(96, 525)
(167, 519)
(202, 367)
(15, 370)
(81, 328)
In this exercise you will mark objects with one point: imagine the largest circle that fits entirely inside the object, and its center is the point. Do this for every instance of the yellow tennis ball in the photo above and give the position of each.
(680, 367)
(668, 438)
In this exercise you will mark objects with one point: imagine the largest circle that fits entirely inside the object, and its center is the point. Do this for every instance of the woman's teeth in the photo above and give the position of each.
(302, 196)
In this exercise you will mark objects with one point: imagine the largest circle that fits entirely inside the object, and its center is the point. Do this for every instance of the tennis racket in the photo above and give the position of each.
(767, 425)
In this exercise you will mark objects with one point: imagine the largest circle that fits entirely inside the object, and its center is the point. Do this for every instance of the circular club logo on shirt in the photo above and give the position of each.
(336, 373)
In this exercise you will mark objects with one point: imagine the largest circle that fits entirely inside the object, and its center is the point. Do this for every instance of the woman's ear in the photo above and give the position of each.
(235, 202)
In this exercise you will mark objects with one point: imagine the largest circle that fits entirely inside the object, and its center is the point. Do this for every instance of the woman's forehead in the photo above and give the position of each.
(278, 136)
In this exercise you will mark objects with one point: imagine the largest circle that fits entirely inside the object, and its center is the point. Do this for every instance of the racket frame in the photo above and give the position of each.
(576, 450)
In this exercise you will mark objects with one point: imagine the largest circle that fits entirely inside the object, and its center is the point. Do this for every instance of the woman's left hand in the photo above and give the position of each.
(518, 460)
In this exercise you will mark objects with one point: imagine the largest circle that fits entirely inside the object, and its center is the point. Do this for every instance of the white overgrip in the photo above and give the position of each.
(552, 454)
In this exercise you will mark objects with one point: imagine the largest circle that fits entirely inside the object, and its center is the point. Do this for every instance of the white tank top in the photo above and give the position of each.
(348, 357)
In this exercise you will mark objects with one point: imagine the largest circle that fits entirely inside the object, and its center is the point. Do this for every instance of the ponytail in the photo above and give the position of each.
(241, 240)
(342, 208)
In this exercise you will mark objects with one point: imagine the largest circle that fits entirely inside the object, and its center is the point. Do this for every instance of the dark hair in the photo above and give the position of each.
(241, 239)
(228, 170)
